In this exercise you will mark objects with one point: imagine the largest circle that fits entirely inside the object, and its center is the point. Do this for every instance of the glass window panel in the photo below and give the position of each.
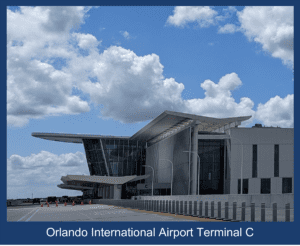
(265, 186)
(287, 185)
(245, 186)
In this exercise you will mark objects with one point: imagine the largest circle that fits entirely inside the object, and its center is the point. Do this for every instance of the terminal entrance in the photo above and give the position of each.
(211, 153)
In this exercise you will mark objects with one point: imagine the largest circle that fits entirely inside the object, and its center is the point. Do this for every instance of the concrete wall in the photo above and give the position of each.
(265, 138)
(170, 149)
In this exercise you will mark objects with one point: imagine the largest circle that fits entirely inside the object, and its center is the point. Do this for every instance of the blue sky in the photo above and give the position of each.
(109, 70)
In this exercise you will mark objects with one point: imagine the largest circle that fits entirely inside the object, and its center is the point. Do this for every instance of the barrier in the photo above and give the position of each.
(177, 207)
(226, 212)
(167, 206)
(263, 213)
(219, 211)
(200, 210)
(190, 209)
(234, 213)
(252, 212)
(243, 211)
(287, 213)
(173, 207)
(206, 209)
(181, 208)
(274, 212)
(195, 214)
(185, 208)
(212, 210)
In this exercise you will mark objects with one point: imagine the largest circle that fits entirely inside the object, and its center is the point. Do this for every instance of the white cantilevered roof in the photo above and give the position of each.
(103, 179)
(169, 120)
(165, 123)
(71, 138)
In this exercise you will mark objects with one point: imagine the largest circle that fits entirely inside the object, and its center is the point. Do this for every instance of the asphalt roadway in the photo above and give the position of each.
(92, 212)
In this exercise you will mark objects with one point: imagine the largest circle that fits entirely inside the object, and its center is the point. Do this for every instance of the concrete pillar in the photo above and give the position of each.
(117, 192)
(194, 161)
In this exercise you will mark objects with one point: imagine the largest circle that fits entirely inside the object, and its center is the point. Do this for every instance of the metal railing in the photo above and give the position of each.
(225, 211)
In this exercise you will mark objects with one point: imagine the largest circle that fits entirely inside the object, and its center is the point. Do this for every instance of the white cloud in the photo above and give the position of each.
(125, 34)
(35, 36)
(130, 88)
(39, 172)
(273, 28)
(228, 28)
(218, 101)
(277, 112)
(86, 41)
(205, 16)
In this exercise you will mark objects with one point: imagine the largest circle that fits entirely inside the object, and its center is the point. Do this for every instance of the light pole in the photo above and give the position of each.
(241, 164)
(172, 173)
(198, 168)
(152, 176)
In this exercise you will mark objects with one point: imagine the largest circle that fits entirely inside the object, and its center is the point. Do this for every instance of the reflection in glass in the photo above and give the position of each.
(119, 157)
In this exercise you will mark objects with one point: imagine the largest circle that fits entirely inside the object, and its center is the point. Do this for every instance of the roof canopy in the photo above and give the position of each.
(103, 179)
(165, 124)
(172, 121)
(71, 138)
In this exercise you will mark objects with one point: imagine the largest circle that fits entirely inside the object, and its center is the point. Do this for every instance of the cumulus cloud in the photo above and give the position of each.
(130, 88)
(205, 16)
(41, 171)
(228, 28)
(273, 28)
(35, 88)
(277, 111)
(218, 101)
(86, 41)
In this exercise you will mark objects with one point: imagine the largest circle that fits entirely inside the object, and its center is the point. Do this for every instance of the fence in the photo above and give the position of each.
(225, 211)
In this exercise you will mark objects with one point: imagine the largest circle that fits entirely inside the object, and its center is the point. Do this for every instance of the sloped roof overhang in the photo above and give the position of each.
(165, 124)
(170, 121)
(103, 179)
(72, 138)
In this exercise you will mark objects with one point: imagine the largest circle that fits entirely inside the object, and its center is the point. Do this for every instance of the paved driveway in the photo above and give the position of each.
(84, 213)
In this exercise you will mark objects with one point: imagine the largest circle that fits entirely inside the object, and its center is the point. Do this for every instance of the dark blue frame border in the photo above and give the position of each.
(35, 232)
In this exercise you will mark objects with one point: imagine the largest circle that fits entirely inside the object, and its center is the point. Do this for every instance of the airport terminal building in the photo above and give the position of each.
(185, 154)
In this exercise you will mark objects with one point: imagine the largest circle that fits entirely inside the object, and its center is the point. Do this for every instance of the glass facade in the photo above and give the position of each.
(211, 153)
(115, 157)
(245, 186)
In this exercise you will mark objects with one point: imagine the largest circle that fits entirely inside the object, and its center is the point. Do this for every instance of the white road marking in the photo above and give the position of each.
(26, 214)
(32, 215)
